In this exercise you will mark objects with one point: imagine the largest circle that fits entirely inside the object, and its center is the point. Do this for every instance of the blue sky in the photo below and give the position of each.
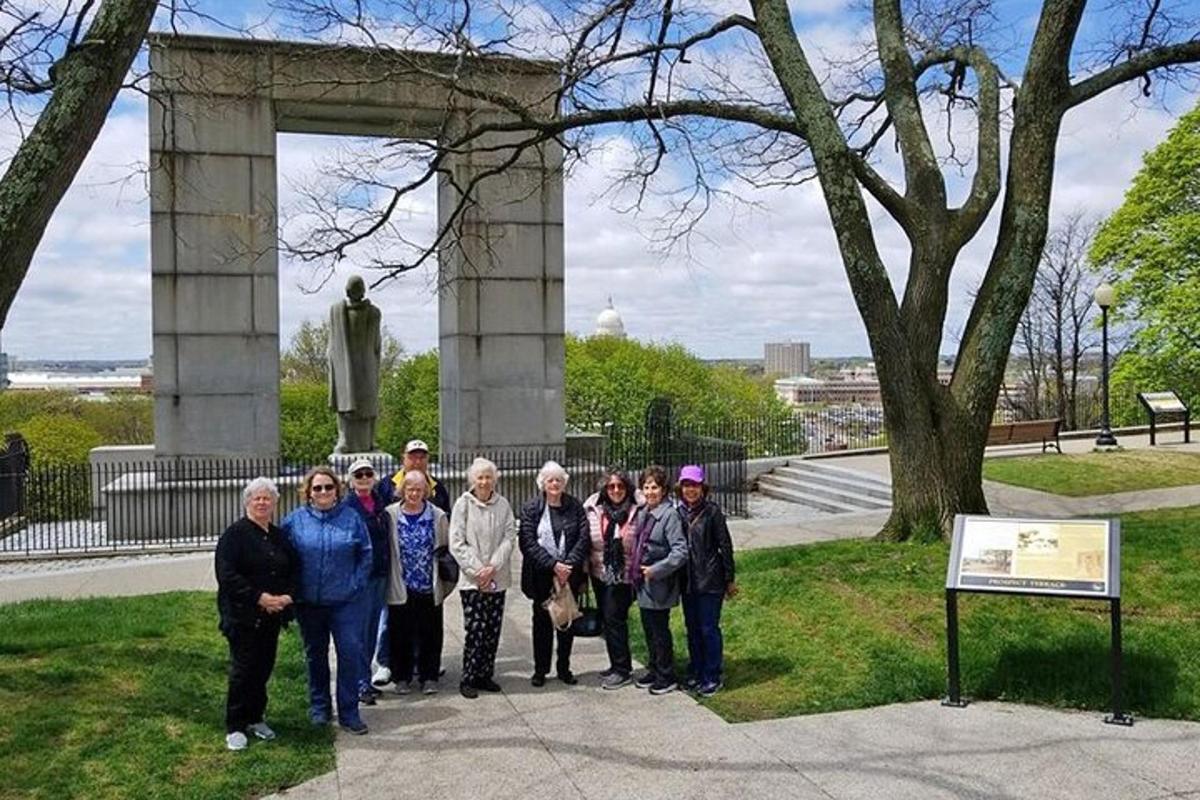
(753, 274)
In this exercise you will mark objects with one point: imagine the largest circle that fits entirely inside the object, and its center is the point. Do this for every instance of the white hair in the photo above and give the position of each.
(551, 469)
(259, 484)
(479, 466)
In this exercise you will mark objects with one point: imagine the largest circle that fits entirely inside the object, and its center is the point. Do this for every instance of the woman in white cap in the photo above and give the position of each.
(482, 535)
(370, 499)
(709, 580)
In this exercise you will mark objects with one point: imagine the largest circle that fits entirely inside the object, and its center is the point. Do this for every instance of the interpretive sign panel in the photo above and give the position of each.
(1077, 558)
(1162, 402)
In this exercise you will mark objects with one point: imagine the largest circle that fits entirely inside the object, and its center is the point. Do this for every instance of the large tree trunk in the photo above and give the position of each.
(86, 81)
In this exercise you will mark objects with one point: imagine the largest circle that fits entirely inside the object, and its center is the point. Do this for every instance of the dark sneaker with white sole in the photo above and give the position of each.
(615, 680)
(663, 687)
(645, 680)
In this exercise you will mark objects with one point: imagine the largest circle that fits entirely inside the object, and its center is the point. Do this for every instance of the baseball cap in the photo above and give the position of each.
(416, 444)
(361, 463)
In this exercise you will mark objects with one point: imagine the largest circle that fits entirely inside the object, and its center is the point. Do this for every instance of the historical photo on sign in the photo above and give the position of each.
(1052, 556)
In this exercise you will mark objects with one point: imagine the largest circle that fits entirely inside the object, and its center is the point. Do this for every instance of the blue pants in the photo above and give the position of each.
(344, 623)
(373, 605)
(702, 618)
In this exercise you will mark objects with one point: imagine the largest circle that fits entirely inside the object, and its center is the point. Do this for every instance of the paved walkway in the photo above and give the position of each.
(582, 742)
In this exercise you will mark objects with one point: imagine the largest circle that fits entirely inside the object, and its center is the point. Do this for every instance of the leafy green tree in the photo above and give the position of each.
(408, 398)
(1151, 247)
(614, 380)
(307, 427)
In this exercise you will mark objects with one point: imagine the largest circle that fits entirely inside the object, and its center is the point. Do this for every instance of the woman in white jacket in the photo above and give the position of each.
(482, 536)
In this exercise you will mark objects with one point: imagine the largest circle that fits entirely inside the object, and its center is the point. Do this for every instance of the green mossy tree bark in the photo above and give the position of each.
(85, 83)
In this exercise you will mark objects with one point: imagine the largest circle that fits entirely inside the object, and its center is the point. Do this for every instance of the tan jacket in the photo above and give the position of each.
(397, 592)
(482, 534)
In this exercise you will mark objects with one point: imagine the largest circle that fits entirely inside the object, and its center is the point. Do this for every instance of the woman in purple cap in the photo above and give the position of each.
(709, 580)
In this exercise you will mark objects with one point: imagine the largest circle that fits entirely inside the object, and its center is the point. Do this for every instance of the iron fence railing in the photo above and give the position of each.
(176, 505)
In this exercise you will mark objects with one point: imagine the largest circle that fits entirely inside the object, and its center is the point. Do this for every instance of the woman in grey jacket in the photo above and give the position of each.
(482, 535)
(659, 552)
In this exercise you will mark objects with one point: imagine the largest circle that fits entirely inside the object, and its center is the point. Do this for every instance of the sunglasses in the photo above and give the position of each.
(615, 486)
(323, 487)
(365, 473)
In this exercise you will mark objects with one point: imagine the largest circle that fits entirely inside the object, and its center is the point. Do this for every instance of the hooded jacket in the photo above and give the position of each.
(334, 549)
(482, 534)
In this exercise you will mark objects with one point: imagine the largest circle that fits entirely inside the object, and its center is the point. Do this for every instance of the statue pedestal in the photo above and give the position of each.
(385, 464)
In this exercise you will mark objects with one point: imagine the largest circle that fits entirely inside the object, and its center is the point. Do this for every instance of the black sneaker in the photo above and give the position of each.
(645, 680)
(538, 679)
(366, 699)
(709, 689)
(568, 678)
(663, 687)
(468, 691)
(691, 683)
(358, 728)
(486, 685)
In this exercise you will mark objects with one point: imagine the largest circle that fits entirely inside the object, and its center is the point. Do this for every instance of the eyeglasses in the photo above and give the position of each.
(323, 487)
(365, 473)
(620, 486)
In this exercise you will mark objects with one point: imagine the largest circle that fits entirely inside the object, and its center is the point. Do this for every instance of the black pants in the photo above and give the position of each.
(657, 625)
(251, 660)
(543, 643)
(416, 635)
(483, 616)
(614, 601)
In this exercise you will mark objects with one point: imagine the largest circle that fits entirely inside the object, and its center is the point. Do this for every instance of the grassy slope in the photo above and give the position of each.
(1096, 473)
(849, 624)
(124, 697)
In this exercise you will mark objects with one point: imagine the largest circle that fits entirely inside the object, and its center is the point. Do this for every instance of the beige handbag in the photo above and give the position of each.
(562, 607)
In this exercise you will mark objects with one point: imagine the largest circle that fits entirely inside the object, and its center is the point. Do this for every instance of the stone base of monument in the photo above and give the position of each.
(385, 463)
(152, 507)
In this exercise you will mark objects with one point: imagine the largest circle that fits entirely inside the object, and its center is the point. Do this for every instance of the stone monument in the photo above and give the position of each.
(355, 344)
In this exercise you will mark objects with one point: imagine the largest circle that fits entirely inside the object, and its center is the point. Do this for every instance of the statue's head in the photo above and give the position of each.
(356, 289)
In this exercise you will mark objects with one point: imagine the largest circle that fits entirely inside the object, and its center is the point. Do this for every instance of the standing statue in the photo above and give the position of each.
(355, 344)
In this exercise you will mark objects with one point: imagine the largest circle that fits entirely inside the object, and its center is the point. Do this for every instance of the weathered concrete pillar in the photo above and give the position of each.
(501, 302)
(213, 254)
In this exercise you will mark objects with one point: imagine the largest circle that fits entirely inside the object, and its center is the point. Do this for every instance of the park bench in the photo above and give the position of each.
(1035, 430)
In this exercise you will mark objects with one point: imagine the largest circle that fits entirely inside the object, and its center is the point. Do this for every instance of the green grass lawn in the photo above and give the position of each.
(125, 697)
(1096, 473)
(850, 624)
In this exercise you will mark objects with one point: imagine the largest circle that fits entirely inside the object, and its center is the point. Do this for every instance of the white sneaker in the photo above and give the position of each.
(261, 730)
(236, 740)
(382, 677)
(403, 687)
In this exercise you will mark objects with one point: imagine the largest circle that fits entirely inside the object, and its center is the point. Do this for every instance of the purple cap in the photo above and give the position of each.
(692, 473)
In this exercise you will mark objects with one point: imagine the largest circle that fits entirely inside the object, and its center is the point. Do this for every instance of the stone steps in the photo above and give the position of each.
(828, 488)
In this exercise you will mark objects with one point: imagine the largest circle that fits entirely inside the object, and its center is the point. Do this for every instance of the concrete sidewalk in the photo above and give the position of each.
(582, 742)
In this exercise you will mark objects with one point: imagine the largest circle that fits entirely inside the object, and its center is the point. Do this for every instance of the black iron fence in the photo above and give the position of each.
(174, 505)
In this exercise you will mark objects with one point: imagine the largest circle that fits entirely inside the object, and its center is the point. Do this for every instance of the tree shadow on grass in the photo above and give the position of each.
(742, 672)
(1078, 674)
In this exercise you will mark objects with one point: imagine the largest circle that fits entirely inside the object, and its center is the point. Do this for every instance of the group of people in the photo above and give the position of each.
(368, 563)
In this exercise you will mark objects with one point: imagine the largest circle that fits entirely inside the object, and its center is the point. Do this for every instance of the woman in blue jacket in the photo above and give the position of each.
(334, 549)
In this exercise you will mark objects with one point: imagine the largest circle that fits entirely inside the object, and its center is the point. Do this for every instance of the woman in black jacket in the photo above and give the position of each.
(709, 580)
(554, 541)
(256, 581)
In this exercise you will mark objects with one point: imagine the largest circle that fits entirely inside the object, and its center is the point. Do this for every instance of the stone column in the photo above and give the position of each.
(213, 254)
(500, 319)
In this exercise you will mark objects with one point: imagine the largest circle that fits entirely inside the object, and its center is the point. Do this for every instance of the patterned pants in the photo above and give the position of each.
(483, 614)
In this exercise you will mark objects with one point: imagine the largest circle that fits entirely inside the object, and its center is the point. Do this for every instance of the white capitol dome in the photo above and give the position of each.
(609, 322)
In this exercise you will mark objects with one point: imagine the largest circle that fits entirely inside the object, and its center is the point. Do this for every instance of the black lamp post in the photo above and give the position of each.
(1104, 299)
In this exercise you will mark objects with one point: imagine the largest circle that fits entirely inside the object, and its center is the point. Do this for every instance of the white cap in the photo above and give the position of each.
(360, 463)
(415, 444)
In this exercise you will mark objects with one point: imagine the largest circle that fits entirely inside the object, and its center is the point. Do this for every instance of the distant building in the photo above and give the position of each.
(801, 390)
(609, 322)
(93, 384)
(787, 358)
